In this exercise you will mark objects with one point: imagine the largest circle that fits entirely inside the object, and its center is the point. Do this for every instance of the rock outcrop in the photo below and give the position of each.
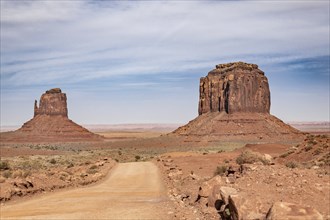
(234, 87)
(53, 102)
(51, 122)
(285, 210)
(234, 104)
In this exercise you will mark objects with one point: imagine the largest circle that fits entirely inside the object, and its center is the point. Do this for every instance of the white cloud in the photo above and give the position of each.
(74, 42)
(158, 35)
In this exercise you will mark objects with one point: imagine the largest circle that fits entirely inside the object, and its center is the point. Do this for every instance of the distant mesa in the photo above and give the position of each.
(51, 122)
(234, 103)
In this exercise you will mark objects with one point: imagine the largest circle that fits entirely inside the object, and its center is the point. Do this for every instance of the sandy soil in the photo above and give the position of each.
(132, 191)
(127, 135)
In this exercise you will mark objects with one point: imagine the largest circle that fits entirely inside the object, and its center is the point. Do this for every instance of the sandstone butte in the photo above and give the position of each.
(234, 103)
(51, 122)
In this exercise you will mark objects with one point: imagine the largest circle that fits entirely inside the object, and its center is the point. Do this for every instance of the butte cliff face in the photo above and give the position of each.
(234, 103)
(51, 122)
(234, 87)
(53, 102)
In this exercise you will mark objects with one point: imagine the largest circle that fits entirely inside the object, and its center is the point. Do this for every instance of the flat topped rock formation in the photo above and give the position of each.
(50, 122)
(53, 102)
(234, 87)
(234, 103)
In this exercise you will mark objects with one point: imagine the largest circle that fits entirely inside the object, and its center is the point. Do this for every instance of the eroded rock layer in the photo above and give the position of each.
(234, 87)
(52, 102)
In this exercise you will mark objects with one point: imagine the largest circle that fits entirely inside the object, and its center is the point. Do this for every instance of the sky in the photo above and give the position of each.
(141, 61)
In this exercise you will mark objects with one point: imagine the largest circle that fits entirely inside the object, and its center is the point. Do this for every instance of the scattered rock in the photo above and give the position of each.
(225, 192)
(207, 187)
(240, 208)
(284, 210)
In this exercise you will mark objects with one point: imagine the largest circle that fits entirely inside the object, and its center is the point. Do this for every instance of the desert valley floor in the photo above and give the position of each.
(147, 174)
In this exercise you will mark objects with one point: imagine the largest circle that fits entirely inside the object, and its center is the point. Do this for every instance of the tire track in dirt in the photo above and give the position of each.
(132, 191)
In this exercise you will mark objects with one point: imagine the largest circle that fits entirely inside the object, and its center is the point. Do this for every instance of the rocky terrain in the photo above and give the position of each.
(29, 175)
(50, 122)
(247, 183)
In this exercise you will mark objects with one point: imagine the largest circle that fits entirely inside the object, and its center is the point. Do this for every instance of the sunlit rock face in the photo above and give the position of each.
(234, 87)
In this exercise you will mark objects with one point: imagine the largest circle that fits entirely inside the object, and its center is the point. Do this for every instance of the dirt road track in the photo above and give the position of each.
(132, 191)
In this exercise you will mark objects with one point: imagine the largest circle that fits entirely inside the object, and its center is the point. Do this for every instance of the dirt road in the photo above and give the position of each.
(132, 191)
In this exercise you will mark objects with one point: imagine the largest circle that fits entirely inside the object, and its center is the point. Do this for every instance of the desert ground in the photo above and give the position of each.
(146, 174)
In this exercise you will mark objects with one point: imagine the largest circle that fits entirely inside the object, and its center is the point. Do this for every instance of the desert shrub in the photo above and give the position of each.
(310, 136)
(4, 165)
(326, 159)
(308, 147)
(91, 171)
(93, 167)
(28, 165)
(70, 165)
(291, 164)
(317, 151)
(120, 153)
(284, 155)
(137, 157)
(312, 142)
(116, 160)
(220, 170)
(26, 173)
(226, 161)
(250, 157)
(52, 161)
(6, 173)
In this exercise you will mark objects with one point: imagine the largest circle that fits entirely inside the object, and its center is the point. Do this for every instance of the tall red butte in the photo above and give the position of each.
(51, 122)
(234, 104)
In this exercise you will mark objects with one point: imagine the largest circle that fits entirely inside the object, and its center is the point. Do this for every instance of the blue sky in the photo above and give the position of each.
(140, 61)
